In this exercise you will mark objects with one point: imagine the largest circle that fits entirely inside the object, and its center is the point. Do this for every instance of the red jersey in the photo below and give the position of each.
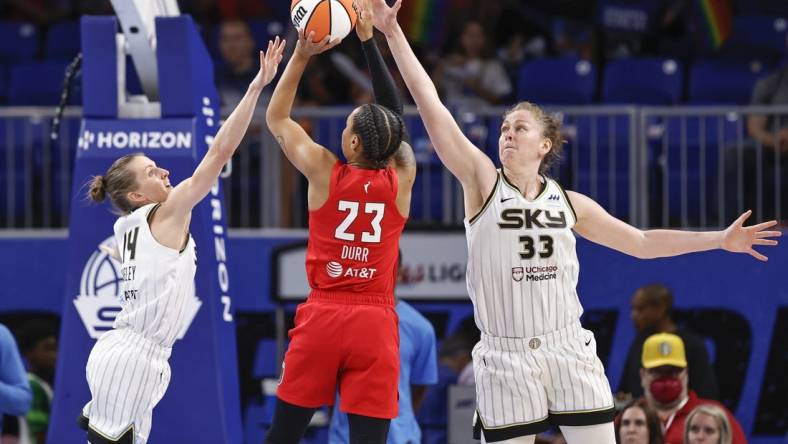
(354, 237)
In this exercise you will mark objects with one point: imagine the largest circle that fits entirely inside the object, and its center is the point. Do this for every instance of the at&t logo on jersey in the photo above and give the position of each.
(334, 269)
(100, 293)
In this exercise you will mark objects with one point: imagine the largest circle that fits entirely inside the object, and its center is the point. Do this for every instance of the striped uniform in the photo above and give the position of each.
(127, 370)
(535, 365)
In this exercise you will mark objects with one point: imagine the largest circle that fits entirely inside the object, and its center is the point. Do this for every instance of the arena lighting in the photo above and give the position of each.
(137, 20)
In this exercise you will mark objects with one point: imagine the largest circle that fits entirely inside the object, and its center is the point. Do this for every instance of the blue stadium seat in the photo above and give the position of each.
(723, 82)
(564, 81)
(646, 81)
(693, 146)
(62, 42)
(257, 419)
(265, 360)
(760, 30)
(610, 157)
(36, 83)
(18, 41)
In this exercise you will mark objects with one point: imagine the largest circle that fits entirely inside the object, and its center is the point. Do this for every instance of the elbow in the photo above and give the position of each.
(641, 248)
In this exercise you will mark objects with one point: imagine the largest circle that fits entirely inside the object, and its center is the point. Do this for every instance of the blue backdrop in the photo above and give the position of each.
(740, 304)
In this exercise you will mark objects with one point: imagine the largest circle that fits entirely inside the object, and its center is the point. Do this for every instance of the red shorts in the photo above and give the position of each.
(352, 345)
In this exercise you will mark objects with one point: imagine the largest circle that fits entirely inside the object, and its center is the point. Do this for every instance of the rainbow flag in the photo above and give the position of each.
(425, 21)
(718, 18)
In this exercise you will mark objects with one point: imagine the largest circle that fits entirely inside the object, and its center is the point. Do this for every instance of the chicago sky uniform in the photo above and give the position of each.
(535, 364)
(127, 370)
(346, 334)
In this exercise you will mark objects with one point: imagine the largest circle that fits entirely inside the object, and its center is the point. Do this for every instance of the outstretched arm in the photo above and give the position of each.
(192, 190)
(383, 86)
(306, 155)
(385, 90)
(470, 165)
(597, 225)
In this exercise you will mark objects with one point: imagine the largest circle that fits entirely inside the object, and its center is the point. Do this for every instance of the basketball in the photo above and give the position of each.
(325, 17)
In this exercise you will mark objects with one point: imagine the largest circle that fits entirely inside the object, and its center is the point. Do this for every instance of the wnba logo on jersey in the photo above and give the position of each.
(99, 299)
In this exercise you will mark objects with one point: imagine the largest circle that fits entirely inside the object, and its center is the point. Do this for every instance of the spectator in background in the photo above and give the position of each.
(638, 424)
(418, 368)
(38, 344)
(664, 379)
(470, 76)
(238, 65)
(15, 394)
(651, 313)
(707, 424)
(769, 135)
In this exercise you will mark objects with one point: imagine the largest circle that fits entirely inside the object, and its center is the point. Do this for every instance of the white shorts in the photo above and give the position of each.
(127, 375)
(524, 385)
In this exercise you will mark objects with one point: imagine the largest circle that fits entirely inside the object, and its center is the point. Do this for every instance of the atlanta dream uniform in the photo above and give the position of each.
(535, 365)
(346, 334)
(127, 370)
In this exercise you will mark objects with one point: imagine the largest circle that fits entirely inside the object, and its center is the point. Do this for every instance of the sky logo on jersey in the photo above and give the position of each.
(334, 269)
(99, 299)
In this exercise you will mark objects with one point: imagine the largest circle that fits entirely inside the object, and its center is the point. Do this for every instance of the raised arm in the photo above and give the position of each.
(597, 225)
(470, 165)
(306, 155)
(387, 94)
(192, 190)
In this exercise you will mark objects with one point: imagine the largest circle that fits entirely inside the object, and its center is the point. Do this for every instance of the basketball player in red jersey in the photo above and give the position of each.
(346, 334)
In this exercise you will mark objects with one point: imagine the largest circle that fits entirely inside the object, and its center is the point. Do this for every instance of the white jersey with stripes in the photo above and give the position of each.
(156, 280)
(522, 266)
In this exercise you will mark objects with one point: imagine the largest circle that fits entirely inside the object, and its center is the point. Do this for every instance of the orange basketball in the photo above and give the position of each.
(325, 17)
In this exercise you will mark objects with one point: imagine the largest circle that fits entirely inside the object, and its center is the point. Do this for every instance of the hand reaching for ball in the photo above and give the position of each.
(306, 47)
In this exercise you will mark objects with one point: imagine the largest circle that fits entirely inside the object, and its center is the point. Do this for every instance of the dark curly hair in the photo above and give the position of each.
(381, 132)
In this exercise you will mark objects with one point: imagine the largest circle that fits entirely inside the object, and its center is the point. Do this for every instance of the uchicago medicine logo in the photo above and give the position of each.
(99, 302)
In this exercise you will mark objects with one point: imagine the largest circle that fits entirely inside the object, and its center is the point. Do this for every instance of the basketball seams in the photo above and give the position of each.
(319, 17)
(312, 14)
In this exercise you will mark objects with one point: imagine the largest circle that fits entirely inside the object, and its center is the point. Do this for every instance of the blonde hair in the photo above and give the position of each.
(118, 181)
(720, 418)
(551, 130)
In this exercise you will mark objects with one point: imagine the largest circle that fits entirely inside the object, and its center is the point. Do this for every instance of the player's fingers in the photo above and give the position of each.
(757, 255)
(764, 225)
(396, 6)
(763, 234)
(742, 218)
(764, 242)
